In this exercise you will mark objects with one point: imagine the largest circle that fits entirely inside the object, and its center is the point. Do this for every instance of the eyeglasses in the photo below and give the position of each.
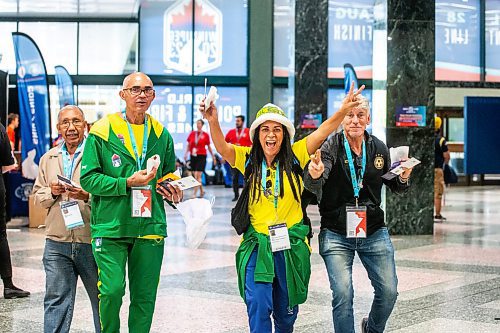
(136, 91)
(67, 123)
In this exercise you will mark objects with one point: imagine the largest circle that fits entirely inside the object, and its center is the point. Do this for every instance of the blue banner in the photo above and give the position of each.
(64, 87)
(349, 77)
(492, 42)
(350, 36)
(216, 46)
(33, 93)
(458, 40)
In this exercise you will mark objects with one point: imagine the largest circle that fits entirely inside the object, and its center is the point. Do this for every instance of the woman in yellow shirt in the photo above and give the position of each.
(273, 260)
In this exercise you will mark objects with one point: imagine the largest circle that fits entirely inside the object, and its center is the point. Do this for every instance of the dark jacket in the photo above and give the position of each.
(334, 188)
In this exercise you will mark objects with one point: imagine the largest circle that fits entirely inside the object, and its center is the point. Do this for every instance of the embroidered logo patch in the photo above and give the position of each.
(378, 162)
(116, 160)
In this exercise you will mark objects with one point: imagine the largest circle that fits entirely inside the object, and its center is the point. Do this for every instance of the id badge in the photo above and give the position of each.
(278, 234)
(141, 201)
(356, 221)
(71, 214)
(193, 152)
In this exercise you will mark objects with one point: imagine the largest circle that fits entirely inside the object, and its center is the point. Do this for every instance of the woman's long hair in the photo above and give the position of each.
(287, 165)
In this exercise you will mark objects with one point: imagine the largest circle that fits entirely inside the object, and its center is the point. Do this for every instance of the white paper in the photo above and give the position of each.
(399, 153)
(185, 183)
(406, 164)
(153, 161)
(211, 97)
(67, 182)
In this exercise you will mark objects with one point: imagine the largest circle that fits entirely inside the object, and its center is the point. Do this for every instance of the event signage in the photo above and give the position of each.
(350, 37)
(178, 36)
(410, 116)
(194, 37)
(492, 42)
(33, 103)
(64, 87)
(457, 40)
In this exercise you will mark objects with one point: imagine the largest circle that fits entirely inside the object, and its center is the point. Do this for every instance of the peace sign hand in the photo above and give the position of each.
(316, 166)
(351, 100)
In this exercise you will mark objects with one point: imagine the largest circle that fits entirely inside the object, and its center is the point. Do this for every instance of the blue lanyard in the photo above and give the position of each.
(68, 163)
(276, 182)
(356, 184)
(138, 160)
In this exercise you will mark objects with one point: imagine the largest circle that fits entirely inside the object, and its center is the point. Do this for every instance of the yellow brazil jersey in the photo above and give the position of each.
(262, 212)
(120, 128)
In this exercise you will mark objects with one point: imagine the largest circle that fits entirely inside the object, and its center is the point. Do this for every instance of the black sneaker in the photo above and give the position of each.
(235, 199)
(14, 292)
(364, 325)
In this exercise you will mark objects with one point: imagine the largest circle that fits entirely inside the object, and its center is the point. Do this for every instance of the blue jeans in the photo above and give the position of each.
(377, 255)
(262, 299)
(63, 263)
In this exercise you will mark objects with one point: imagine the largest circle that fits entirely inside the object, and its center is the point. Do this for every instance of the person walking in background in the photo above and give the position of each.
(274, 272)
(7, 163)
(441, 157)
(198, 144)
(68, 252)
(239, 136)
(12, 124)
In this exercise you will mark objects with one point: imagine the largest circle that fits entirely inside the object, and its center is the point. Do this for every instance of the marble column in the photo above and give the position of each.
(260, 63)
(309, 80)
(410, 82)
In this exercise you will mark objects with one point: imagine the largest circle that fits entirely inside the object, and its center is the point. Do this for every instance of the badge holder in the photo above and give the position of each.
(356, 221)
(141, 201)
(278, 235)
(71, 214)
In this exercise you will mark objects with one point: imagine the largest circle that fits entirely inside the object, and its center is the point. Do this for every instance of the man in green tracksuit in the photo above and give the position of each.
(128, 216)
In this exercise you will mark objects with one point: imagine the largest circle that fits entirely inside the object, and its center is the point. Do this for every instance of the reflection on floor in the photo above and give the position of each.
(449, 282)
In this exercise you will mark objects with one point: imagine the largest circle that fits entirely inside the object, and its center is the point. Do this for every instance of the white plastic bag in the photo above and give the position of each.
(196, 214)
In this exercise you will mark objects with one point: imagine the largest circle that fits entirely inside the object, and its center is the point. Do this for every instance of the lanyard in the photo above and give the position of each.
(138, 160)
(238, 136)
(276, 182)
(356, 184)
(68, 163)
(197, 137)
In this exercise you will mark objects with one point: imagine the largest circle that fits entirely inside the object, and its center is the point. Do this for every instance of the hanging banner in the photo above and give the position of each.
(349, 77)
(33, 93)
(64, 87)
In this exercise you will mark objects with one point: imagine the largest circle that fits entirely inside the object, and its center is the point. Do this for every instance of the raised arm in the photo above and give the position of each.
(225, 149)
(316, 138)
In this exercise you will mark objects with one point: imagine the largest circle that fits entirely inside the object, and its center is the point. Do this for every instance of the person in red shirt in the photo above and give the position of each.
(13, 123)
(239, 136)
(198, 144)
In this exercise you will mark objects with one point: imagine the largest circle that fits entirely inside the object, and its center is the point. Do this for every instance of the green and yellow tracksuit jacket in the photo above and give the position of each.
(107, 162)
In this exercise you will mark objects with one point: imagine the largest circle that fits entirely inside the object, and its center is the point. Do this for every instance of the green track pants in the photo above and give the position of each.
(144, 264)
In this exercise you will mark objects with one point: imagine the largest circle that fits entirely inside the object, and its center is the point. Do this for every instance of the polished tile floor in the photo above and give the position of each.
(448, 282)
